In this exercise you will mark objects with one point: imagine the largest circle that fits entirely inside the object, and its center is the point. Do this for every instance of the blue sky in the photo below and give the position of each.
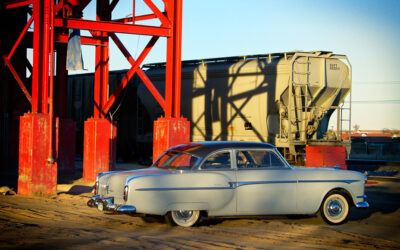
(368, 32)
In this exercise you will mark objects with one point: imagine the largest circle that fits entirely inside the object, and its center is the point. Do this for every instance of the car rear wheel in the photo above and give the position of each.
(335, 209)
(184, 218)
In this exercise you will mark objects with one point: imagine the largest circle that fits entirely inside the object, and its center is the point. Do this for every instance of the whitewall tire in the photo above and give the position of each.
(334, 209)
(185, 218)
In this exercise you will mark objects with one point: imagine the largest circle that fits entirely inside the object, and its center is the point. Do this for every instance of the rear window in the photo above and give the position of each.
(174, 160)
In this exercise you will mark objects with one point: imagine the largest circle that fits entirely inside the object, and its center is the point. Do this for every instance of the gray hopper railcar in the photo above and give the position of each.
(285, 99)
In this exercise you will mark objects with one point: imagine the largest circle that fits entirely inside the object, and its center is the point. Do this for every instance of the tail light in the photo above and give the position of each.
(126, 192)
(96, 188)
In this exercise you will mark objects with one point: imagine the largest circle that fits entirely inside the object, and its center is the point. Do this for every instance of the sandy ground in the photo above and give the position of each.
(64, 221)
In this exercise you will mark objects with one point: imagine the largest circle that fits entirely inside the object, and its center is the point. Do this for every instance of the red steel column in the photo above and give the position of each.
(40, 62)
(169, 132)
(99, 133)
(101, 62)
(99, 151)
(170, 63)
(173, 129)
(36, 174)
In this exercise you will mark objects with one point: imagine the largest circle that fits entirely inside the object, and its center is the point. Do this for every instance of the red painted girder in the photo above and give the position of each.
(58, 6)
(178, 57)
(137, 18)
(44, 53)
(41, 38)
(51, 157)
(164, 20)
(80, 4)
(17, 78)
(15, 4)
(36, 13)
(20, 38)
(112, 27)
(151, 88)
(169, 68)
(85, 40)
(131, 71)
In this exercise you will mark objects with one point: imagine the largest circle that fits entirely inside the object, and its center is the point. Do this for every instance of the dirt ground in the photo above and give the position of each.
(64, 221)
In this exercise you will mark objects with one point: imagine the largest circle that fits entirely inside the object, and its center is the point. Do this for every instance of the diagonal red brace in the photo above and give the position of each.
(164, 20)
(17, 78)
(134, 69)
(28, 24)
(18, 3)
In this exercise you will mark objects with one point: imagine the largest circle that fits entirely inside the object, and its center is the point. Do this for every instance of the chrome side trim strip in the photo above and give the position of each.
(101, 174)
(183, 188)
(362, 196)
(245, 183)
(233, 185)
(312, 181)
(130, 178)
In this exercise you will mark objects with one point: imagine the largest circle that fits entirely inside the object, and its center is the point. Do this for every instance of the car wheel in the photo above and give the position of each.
(184, 218)
(335, 209)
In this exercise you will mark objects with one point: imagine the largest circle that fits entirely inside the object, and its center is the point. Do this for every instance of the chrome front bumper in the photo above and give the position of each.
(107, 204)
(363, 204)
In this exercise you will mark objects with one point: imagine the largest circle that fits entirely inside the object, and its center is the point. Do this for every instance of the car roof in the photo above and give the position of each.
(202, 149)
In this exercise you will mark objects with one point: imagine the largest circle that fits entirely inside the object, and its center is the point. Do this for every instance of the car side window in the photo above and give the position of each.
(276, 162)
(221, 160)
(253, 159)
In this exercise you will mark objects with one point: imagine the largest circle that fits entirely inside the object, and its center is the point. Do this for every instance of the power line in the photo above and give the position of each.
(377, 82)
(378, 101)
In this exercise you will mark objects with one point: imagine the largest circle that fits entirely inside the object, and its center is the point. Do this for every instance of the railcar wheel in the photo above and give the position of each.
(184, 218)
(334, 209)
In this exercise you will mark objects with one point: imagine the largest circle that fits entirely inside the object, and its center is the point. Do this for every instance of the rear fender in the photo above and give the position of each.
(200, 206)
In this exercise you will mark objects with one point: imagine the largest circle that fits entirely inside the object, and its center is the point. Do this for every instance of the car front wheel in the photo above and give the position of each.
(184, 218)
(335, 209)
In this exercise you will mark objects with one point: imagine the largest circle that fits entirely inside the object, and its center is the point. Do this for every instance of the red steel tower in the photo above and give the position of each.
(46, 138)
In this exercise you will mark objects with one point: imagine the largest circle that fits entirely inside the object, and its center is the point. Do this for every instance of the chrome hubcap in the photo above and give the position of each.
(334, 208)
(184, 214)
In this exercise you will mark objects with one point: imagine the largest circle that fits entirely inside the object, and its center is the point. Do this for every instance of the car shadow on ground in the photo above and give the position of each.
(78, 190)
(381, 200)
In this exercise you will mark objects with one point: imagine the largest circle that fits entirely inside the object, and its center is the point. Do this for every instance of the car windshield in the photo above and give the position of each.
(176, 160)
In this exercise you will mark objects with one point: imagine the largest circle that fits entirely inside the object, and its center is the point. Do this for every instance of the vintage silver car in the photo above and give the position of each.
(228, 179)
